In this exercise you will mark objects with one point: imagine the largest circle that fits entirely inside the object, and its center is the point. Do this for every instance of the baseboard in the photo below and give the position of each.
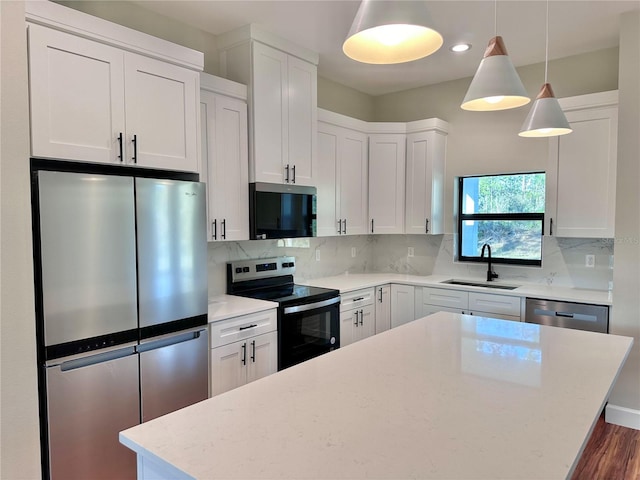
(626, 417)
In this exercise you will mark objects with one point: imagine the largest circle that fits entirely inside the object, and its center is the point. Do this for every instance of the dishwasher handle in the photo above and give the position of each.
(170, 340)
(563, 314)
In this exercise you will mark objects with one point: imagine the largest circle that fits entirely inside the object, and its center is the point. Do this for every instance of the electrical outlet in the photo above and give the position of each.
(410, 252)
(353, 252)
(590, 261)
(317, 255)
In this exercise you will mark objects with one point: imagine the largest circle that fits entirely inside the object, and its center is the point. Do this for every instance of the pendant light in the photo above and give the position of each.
(496, 84)
(546, 118)
(391, 32)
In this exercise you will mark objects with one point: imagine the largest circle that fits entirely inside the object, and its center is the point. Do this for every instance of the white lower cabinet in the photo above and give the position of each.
(504, 307)
(243, 349)
(402, 304)
(383, 308)
(357, 316)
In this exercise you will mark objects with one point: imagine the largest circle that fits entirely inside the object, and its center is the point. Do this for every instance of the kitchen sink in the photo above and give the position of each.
(499, 286)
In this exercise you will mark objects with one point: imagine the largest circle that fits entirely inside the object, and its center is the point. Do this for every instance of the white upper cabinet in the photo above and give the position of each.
(99, 101)
(282, 81)
(581, 173)
(225, 163)
(387, 182)
(342, 176)
(426, 153)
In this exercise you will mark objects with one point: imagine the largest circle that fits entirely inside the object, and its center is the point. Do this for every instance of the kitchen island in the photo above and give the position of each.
(445, 396)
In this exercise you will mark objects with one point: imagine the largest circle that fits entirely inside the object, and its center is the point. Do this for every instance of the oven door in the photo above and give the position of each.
(308, 330)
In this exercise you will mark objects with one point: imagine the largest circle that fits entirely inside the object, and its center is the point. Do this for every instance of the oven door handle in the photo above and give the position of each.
(311, 306)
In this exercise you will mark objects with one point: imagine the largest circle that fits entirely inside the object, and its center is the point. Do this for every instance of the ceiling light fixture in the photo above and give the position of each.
(546, 118)
(391, 32)
(460, 47)
(496, 84)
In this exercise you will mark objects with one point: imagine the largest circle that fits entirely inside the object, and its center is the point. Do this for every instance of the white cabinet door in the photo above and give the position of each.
(225, 154)
(383, 308)
(328, 154)
(352, 184)
(161, 103)
(386, 183)
(228, 367)
(302, 117)
(581, 175)
(402, 304)
(270, 114)
(349, 320)
(426, 152)
(76, 91)
(367, 325)
(262, 357)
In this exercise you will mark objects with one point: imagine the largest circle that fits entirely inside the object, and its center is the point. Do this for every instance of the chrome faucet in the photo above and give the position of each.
(490, 273)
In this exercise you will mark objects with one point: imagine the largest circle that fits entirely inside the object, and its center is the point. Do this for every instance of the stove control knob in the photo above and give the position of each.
(238, 269)
(245, 269)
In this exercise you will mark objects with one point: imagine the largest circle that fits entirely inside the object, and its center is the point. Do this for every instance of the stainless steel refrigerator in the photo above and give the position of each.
(121, 308)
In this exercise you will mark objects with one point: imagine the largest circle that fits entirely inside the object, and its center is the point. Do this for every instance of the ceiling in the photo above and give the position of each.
(575, 26)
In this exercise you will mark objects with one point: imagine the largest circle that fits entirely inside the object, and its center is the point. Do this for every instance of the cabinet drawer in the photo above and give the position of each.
(356, 299)
(445, 298)
(503, 304)
(239, 328)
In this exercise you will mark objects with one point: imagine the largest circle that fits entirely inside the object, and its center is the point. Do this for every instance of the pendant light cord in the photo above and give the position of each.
(546, 48)
(495, 18)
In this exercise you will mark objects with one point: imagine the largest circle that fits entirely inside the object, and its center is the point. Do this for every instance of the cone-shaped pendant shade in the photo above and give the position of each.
(546, 118)
(391, 32)
(496, 84)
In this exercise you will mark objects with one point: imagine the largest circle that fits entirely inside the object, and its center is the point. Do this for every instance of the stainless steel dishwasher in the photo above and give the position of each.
(581, 316)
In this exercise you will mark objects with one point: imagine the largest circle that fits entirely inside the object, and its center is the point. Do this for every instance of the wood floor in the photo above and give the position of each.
(612, 453)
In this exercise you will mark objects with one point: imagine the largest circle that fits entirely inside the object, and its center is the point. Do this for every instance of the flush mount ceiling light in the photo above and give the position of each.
(496, 84)
(460, 47)
(546, 118)
(391, 32)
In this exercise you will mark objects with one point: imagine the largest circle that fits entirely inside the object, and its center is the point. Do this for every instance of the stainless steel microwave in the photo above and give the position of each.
(281, 211)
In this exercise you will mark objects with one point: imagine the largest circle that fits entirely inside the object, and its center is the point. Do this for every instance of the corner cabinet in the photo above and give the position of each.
(225, 164)
(342, 175)
(243, 349)
(100, 101)
(387, 152)
(283, 99)
(581, 173)
(426, 153)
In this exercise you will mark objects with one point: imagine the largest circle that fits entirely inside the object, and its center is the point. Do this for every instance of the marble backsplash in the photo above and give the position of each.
(563, 261)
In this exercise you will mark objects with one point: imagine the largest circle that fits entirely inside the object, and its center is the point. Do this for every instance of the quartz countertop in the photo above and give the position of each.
(223, 307)
(445, 396)
(348, 282)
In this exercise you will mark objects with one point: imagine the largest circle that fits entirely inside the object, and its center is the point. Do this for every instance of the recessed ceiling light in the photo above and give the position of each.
(460, 47)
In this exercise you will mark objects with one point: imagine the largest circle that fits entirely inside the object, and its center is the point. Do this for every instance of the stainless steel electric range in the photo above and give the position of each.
(308, 317)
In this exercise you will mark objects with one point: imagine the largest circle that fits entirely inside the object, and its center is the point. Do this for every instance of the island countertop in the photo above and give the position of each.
(445, 396)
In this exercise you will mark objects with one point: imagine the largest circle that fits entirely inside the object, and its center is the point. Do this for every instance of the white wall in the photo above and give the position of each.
(19, 440)
(624, 407)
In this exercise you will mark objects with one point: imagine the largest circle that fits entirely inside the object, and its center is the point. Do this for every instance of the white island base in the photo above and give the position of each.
(446, 396)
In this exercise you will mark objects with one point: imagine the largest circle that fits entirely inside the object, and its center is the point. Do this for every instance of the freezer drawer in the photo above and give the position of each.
(174, 372)
(90, 399)
(581, 316)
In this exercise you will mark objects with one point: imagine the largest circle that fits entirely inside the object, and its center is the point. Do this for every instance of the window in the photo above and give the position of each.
(504, 211)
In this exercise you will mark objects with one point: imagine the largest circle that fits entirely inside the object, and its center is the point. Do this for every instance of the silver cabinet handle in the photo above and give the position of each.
(339, 226)
(356, 313)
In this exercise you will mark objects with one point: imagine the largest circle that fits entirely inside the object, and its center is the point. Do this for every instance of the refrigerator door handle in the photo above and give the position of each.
(170, 340)
(95, 359)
